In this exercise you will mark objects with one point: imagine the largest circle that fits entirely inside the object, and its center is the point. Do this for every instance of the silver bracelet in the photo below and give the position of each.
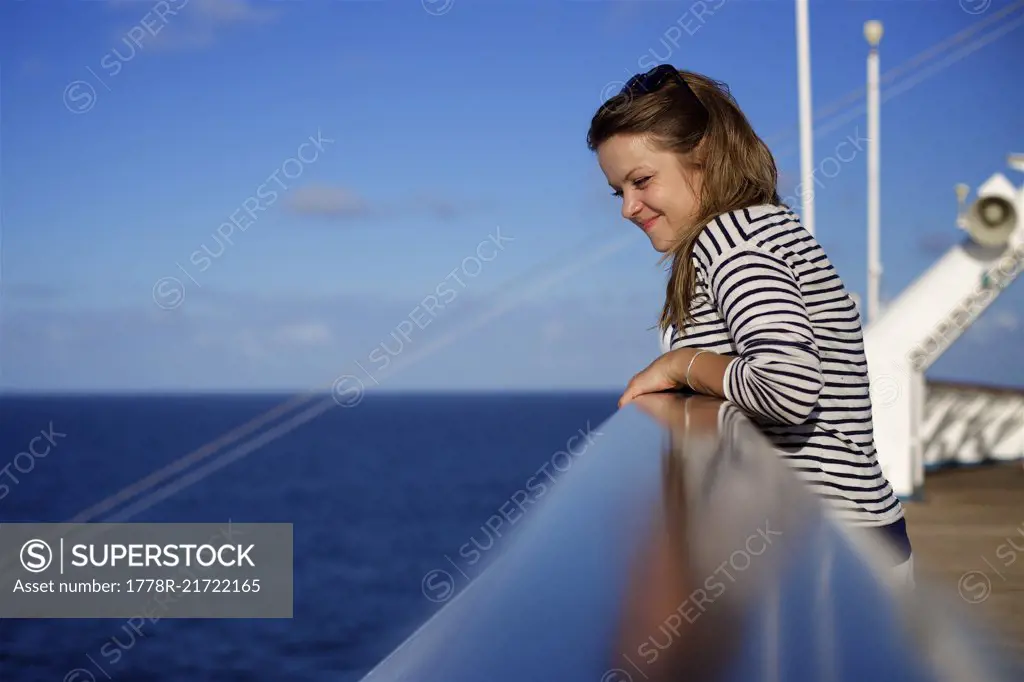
(689, 366)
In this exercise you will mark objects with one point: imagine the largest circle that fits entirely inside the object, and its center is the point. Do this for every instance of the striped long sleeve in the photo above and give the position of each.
(777, 375)
(767, 295)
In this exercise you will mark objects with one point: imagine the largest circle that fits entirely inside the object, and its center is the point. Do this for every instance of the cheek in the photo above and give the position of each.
(676, 204)
(671, 194)
(658, 199)
(685, 202)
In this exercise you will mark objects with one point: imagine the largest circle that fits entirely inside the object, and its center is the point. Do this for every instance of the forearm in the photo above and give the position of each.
(707, 372)
(781, 388)
(699, 370)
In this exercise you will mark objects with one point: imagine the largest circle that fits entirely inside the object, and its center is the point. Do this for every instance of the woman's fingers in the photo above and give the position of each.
(629, 393)
(634, 388)
(647, 381)
(660, 375)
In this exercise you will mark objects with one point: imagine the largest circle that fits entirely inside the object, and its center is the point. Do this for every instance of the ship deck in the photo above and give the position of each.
(966, 523)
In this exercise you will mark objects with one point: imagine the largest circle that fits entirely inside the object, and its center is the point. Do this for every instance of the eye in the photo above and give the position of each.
(639, 183)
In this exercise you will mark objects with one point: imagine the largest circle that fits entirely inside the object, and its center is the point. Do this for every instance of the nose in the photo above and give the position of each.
(630, 207)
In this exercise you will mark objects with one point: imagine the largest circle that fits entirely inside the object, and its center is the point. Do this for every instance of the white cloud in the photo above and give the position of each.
(248, 342)
(553, 331)
(304, 334)
(1007, 320)
(327, 201)
(335, 201)
(189, 24)
(261, 343)
(995, 323)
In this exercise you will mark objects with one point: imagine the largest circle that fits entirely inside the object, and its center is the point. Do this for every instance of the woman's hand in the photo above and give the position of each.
(664, 374)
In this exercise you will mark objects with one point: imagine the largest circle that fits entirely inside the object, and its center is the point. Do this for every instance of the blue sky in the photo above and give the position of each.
(391, 152)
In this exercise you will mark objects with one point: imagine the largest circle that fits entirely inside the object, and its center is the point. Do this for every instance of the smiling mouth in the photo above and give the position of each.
(648, 224)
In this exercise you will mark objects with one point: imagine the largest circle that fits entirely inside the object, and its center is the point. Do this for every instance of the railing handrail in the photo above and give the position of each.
(682, 547)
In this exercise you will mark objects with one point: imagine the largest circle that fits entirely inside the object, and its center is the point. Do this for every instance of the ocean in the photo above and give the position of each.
(380, 494)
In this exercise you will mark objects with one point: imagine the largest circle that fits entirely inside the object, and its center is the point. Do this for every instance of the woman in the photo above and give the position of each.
(754, 311)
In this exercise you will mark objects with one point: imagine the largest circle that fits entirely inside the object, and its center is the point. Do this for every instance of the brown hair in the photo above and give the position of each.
(710, 133)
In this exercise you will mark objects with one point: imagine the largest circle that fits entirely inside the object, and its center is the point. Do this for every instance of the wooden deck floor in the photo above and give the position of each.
(968, 538)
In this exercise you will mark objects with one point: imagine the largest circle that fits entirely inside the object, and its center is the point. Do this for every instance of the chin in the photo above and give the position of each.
(660, 245)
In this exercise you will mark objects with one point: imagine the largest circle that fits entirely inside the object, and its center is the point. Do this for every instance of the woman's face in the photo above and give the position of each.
(658, 195)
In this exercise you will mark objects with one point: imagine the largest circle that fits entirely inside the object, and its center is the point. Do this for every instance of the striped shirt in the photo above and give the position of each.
(767, 294)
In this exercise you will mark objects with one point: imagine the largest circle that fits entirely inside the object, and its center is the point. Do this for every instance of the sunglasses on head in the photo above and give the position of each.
(654, 80)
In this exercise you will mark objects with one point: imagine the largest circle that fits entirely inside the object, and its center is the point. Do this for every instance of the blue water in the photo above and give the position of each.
(379, 495)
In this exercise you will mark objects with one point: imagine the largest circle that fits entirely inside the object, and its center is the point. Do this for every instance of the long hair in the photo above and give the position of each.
(709, 133)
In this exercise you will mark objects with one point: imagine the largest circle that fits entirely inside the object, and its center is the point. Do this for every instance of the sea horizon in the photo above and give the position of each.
(231, 392)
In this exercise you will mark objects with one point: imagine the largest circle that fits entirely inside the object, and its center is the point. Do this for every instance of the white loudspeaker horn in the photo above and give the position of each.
(993, 217)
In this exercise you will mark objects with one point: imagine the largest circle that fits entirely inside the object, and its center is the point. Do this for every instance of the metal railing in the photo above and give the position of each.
(683, 548)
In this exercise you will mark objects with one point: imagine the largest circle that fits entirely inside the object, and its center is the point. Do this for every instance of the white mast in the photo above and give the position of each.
(873, 34)
(803, 59)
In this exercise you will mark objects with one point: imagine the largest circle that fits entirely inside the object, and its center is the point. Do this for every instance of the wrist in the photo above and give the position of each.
(682, 357)
(690, 378)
